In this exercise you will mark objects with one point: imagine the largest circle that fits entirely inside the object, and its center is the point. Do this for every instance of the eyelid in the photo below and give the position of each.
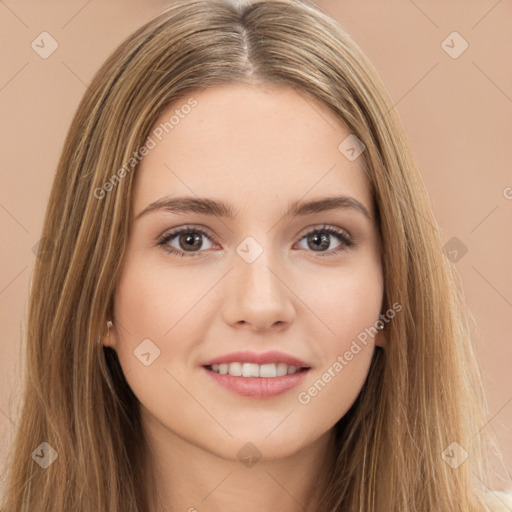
(346, 240)
(174, 232)
(324, 227)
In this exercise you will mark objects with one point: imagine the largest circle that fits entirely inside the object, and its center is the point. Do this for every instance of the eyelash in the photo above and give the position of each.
(345, 240)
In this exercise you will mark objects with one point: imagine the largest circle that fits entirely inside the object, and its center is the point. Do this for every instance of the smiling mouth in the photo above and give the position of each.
(271, 370)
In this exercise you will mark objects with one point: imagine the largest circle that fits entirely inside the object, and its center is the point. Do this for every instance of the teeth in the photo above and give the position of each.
(255, 370)
(268, 370)
(282, 369)
(249, 370)
(235, 369)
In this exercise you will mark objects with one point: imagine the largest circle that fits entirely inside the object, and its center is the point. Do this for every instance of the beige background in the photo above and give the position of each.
(457, 111)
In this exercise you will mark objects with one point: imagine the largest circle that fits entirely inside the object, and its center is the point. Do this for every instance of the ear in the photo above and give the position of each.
(381, 339)
(109, 338)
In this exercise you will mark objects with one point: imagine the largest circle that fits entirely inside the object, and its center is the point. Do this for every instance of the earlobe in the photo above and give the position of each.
(381, 339)
(108, 339)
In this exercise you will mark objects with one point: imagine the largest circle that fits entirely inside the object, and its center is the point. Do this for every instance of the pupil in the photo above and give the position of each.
(323, 239)
(190, 239)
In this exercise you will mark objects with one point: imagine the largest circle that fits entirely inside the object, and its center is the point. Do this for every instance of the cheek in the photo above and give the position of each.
(331, 392)
(146, 306)
(153, 301)
(151, 311)
(346, 354)
(346, 300)
(348, 305)
(158, 312)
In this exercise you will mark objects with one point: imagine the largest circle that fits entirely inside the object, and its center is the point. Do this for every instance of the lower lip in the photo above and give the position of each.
(258, 387)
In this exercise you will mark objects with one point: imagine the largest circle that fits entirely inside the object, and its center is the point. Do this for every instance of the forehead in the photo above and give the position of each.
(257, 148)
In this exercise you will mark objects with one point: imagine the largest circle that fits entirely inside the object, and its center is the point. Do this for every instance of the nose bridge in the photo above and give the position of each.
(258, 279)
(257, 292)
(257, 271)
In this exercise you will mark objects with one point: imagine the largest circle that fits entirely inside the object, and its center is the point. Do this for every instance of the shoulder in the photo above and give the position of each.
(499, 501)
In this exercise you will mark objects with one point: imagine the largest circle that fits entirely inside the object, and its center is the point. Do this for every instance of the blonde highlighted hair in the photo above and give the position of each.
(423, 392)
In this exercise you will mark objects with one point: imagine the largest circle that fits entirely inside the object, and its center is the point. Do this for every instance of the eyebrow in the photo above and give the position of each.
(221, 209)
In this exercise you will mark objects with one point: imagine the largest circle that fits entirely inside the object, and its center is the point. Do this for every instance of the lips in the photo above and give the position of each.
(257, 387)
(272, 356)
(262, 386)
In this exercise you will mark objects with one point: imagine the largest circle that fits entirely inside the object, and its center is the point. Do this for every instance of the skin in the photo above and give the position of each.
(257, 149)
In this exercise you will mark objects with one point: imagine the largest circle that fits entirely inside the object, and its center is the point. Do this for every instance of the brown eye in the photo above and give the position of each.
(319, 240)
(189, 241)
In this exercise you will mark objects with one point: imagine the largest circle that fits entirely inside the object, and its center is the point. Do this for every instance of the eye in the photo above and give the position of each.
(318, 239)
(188, 237)
(189, 240)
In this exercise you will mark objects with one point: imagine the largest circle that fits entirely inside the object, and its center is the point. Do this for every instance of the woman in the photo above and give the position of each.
(245, 301)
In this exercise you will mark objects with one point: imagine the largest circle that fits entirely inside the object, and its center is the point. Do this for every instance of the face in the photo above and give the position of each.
(199, 284)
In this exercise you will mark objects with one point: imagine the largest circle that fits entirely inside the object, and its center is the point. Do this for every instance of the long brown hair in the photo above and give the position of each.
(423, 392)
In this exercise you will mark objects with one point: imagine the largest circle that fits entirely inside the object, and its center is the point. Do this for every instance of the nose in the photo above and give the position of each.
(258, 297)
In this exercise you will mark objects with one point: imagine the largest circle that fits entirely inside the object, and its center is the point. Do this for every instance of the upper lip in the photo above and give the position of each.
(246, 356)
